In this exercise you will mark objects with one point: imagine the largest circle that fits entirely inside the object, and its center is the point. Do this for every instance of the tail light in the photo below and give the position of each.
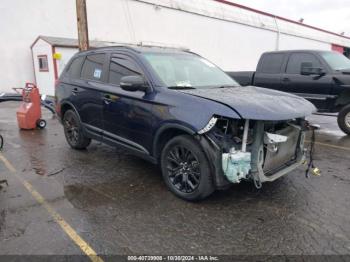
(57, 105)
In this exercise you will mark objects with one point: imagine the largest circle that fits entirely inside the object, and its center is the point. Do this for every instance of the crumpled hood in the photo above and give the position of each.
(257, 103)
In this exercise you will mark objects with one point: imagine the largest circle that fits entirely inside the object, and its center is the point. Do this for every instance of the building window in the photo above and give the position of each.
(43, 65)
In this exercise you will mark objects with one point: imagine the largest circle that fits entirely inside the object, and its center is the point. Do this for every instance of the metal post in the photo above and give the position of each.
(83, 34)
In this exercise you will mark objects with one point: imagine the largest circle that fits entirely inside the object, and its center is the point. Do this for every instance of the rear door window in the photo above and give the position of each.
(296, 60)
(75, 68)
(120, 66)
(93, 67)
(271, 63)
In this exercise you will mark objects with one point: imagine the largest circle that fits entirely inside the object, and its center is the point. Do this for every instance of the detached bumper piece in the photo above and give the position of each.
(46, 101)
(3, 181)
(5, 97)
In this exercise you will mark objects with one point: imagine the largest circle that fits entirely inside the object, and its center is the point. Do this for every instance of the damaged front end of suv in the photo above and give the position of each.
(254, 150)
(264, 143)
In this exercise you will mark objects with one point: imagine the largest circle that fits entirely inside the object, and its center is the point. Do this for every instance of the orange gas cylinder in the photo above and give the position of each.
(29, 111)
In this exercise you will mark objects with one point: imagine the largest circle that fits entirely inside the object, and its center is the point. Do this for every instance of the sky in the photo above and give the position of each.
(332, 15)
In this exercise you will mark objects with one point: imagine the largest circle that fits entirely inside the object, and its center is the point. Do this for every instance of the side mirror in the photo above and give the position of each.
(133, 83)
(307, 69)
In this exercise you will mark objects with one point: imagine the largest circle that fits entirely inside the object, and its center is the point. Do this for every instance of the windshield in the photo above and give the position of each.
(336, 61)
(187, 70)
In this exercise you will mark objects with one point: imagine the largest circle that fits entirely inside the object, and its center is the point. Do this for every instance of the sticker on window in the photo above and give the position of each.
(97, 73)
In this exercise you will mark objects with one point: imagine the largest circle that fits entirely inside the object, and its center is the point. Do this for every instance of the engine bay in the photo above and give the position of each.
(255, 149)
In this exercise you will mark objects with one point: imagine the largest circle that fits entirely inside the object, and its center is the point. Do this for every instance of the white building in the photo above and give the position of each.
(228, 34)
(50, 56)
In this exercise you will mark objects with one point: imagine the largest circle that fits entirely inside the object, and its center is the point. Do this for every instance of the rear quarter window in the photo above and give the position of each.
(93, 67)
(74, 69)
(271, 63)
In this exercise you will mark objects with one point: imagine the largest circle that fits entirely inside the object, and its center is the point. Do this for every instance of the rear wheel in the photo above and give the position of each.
(74, 132)
(185, 169)
(344, 119)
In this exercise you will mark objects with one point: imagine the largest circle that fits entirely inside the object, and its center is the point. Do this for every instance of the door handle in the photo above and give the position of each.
(285, 79)
(107, 99)
(75, 91)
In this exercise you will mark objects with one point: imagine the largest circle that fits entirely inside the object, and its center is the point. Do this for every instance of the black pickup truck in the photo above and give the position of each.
(322, 77)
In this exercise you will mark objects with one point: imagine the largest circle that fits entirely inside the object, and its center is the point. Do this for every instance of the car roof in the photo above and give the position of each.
(299, 50)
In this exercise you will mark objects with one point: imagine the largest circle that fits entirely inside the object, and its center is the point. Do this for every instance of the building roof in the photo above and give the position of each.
(70, 42)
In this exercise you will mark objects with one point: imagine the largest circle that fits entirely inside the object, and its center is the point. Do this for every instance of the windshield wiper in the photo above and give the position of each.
(180, 87)
(227, 86)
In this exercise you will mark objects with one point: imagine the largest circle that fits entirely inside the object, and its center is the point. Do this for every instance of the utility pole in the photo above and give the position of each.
(83, 34)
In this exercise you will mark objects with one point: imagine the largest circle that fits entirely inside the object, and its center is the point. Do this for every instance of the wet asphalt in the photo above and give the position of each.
(119, 204)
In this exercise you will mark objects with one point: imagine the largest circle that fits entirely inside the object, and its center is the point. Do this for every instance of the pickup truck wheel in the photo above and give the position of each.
(185, 169)
(344, 119)
(73, 131)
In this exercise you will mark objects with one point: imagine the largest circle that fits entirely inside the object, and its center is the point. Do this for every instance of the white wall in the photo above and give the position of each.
(231, 46)
(66, 53)
(44, 80)
(293, 42)
(21, 21)
(209, 28)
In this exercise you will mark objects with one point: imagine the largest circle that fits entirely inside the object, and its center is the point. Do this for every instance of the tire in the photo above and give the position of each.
(41, 123)
(185, 169)
(344, 119)
(73, 131)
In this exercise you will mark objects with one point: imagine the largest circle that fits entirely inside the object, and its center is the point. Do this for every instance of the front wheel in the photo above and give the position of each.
(344, 119)
(185, 169)
(74, 132)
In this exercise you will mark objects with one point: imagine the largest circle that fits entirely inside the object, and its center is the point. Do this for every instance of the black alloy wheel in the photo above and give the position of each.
(185, 168)
(71, 128)
(73, 131)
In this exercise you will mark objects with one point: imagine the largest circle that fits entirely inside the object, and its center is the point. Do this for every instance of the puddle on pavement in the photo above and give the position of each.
(31, 142)
(2, 219)
(83, 197)
(125, 190)
(96, 195)
(38, 166)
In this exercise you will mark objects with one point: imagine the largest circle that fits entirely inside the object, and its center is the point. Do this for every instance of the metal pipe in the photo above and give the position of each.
(245, 135)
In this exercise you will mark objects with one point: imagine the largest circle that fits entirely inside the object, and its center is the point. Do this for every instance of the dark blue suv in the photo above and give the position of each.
(177, 109)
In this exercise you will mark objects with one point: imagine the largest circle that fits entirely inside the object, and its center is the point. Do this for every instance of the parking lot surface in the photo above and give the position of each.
(117, 203)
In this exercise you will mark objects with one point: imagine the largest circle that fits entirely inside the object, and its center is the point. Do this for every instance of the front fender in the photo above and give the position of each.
(180, 126)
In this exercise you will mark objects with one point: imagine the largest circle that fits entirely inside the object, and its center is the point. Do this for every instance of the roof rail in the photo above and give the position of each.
(161, 45)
